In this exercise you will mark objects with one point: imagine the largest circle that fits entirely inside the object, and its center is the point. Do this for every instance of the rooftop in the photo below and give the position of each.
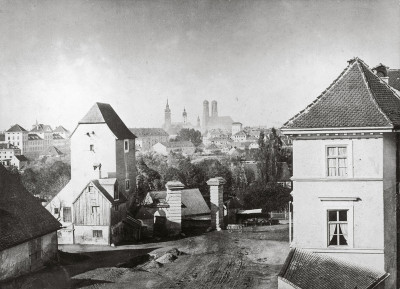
(22, 217)
(143, 132)
(41, 128)
(104, 113)
(16, 128)
(357, 98)
(316, 271)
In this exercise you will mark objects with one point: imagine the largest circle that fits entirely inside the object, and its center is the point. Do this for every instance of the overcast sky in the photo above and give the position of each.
(263, 61)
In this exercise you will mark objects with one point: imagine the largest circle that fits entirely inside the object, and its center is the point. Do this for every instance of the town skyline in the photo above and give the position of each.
(261, 60)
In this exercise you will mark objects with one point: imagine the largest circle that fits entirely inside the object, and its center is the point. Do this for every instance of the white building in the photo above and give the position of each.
(345, 158)
(17, 136)
(102, 151)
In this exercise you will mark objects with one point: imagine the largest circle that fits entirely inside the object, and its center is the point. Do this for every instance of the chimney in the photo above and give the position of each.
(174, 212)
(217, 202)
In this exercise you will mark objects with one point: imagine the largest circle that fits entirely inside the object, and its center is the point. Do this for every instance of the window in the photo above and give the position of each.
(67, 214)
(336, 161)
(56, 211)
(337, 228)
(127, 185)
(97, 233)
(91, 148)
(126, 145)
(90, 189)
(116, 193)
(95, 209)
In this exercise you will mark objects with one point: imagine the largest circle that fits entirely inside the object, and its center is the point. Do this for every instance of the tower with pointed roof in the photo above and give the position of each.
(167, 117)
(346, 163)
(103, 154)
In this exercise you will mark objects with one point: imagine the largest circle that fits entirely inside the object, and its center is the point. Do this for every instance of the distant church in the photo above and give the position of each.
(173, 128)
(214, 121)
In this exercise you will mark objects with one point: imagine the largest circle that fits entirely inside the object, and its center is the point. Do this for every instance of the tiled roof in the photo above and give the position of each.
(60, 128)
(143, 132)
(394, 78)
(192, 199)
(357, 98)
(33, 136)
(57, 136)
(21, 158)
(104, 113)
(42, 128)
(22, 217)
(317, 271)
(16, 128)
(53, 151)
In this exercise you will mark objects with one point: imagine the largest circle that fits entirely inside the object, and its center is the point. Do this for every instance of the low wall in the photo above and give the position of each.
(84, 235)
(19, 260)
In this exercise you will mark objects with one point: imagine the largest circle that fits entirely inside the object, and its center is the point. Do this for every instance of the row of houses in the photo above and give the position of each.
(34, 142)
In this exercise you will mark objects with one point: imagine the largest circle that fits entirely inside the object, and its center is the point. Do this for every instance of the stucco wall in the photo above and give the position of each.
(314, 194)
(84, 235)
(365, 157)
(82, 158)
(16, 261)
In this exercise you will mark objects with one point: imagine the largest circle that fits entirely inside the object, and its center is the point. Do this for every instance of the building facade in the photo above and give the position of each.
(345, 176)
(102, 151)
(17, 136)
(148, 137)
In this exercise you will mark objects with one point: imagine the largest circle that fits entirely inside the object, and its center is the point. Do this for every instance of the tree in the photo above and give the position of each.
(192, 135)
(268, 155)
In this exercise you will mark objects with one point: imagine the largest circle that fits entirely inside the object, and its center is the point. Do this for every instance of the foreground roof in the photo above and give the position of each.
(357, 98)
(316, 271)
(104, 113)
(16, 128)
(192, 199)
(143, 132)
(22, 217)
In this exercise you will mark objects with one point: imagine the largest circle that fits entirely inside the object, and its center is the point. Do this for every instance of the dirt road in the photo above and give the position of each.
(215, 260)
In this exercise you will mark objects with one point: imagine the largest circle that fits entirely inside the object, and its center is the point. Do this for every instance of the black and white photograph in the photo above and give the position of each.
(175, 144)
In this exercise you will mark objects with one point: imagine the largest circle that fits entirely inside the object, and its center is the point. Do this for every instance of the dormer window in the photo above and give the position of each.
(126, 145)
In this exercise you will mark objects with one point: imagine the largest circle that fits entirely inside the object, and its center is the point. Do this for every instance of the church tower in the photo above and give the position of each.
(206, 115)
(167, 117)
(184, 114)
(214, 109)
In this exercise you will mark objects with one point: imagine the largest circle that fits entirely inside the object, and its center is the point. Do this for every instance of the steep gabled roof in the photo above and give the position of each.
(42, 128)
(357, 98)
(101, 189)
(394, 78)
(151, 131)
(317, 271)
(61, 129)
(104, 113)
(22, 217)
(16, 128)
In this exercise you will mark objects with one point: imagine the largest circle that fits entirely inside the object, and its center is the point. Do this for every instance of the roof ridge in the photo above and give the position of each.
(346, 70)
(371, 93)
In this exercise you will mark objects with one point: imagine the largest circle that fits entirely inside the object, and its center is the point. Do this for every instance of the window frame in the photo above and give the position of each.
(337, 157)
(70, 217)
(333, 204)
(338, 143)
(126, 145)
(95, 211)
(337, 222)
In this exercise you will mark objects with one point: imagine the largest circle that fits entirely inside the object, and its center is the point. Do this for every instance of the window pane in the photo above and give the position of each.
(332, 163)
(342, 171)
(332, 172)
(332, 215)
(333, 240)
(342, 215)
(331, 151)
(342, 163)
(342, 151)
